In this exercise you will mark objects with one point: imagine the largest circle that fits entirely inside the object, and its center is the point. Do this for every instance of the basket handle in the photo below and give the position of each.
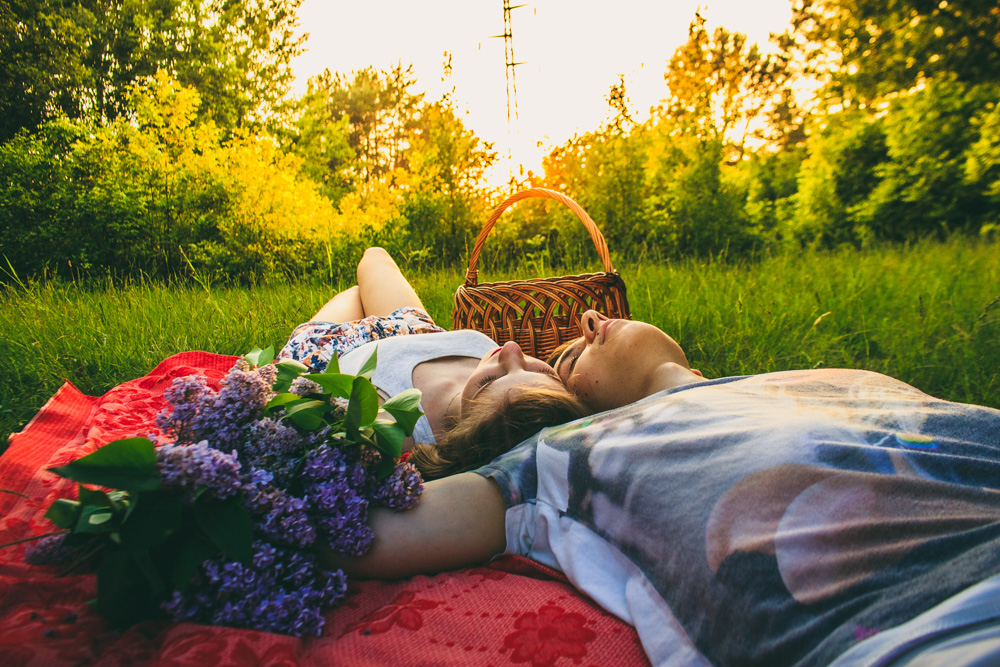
(472, 277)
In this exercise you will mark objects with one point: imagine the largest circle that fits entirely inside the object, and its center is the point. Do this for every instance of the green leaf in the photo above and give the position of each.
(288, 370)
(308, 420)
(156, 517)
(369, 366)
(123, 594)
(122, 464)
(227, 524)
(302, 404)
(405, 409)
(98, 518)
(334, 366)
(259, 357)
(385, 467)
(362, 408)
(191, 556)
(405, 400)
(278, 401)
(336, 384)
(389, 438)
(144, 563)
(95, 497)
(64, 513)
(307, 415)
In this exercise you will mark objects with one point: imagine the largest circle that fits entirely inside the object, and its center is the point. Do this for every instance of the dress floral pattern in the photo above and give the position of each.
(315, 343)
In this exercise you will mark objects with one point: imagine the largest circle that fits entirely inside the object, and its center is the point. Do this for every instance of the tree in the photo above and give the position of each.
(380, 109)
(718, 85)
(79, 58)
(868, 48)
(923, 187)
(836, 179)
(43, 45)
(446, 201)
(982, 166)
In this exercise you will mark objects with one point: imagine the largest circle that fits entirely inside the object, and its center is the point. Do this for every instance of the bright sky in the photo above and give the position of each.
(573, 50)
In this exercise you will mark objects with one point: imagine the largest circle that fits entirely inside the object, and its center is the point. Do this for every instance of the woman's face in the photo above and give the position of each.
(614, 362)
(505, 369)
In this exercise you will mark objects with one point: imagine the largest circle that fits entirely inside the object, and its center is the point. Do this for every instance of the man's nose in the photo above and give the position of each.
(588, 324)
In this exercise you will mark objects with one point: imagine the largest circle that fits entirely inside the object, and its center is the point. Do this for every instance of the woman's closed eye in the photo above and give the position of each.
(486, 380)
(482, 384)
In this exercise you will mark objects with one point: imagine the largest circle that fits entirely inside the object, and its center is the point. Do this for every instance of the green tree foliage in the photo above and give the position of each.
(158, 196)
(696, 203)
(447, 200)
(605, 172)
(869, 48)
(43, 46)
(771, 191)
(982, 166)
(718, 85)
(380, 109)
(922, 187)
(836, 179)
(321, 140)
(79, 59)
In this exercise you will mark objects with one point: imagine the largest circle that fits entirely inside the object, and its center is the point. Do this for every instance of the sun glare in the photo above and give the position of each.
(571, 53)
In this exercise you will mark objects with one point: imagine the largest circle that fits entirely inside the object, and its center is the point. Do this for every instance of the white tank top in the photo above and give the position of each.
(399, 355)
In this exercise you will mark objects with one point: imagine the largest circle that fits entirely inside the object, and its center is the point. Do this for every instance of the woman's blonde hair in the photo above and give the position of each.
(492, 428)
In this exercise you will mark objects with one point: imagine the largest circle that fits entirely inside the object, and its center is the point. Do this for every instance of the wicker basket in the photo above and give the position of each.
(541, 313)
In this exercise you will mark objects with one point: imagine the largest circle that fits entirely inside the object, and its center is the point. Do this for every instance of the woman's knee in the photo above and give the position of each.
(350, 293)
(375, 257)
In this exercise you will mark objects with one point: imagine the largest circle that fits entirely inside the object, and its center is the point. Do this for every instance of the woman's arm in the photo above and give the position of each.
(383, 287)
(459, 521)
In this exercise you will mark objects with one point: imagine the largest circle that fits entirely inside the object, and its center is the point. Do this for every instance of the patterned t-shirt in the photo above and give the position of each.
(774, 519)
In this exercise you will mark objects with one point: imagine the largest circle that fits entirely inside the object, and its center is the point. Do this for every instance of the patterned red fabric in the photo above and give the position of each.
(511, 611)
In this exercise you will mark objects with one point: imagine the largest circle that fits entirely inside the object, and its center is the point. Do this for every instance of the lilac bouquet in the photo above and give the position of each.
(216, 521)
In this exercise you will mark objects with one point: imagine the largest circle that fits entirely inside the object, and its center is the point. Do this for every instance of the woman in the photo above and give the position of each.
(799, 517)
(478, 399)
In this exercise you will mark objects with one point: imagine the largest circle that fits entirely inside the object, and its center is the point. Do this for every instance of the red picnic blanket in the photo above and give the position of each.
(511, 611)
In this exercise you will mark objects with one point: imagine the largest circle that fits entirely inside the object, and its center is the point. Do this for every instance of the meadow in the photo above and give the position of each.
(927, 313)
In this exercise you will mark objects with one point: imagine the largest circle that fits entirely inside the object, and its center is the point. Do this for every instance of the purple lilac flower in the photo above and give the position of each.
(181, 607)
(302, 386)
(341, 405)
(335, 587)
(324, 463)
(268, 373)
(185, 396)
(189, 468)
(350, 466)
(342, 515)
(280, 591)
(228, 415)
(279, 515)
(50, 550)
(401, 489)
(274, 447)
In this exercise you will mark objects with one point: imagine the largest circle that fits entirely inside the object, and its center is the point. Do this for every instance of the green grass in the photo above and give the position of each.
(927, 314)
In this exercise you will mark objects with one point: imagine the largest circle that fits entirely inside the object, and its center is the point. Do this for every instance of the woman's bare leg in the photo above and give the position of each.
(383, 287)
(344, 307)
